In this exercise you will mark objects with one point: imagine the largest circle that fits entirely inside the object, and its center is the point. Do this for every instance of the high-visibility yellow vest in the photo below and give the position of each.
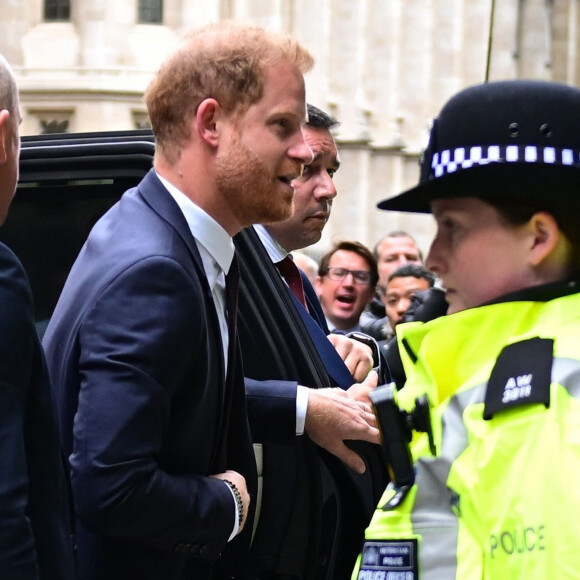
(501, 497)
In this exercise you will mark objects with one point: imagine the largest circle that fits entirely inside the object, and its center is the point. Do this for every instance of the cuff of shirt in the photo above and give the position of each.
(301, 406)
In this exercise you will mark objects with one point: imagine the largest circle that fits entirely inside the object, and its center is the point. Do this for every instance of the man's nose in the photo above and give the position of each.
(325, 189)
(348, 279)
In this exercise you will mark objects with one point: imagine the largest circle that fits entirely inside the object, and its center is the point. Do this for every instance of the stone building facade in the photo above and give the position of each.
(383, 67)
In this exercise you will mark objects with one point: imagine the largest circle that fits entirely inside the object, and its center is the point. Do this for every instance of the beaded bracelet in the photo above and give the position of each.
(238, 498)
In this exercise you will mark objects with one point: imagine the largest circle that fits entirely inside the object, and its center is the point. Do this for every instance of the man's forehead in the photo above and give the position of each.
(398, 245)
(341, 256)
(406, 285)
(283, 94)
(321, 142)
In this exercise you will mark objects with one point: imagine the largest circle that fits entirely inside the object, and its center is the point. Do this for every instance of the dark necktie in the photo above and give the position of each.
(291, 274)
(232, 284)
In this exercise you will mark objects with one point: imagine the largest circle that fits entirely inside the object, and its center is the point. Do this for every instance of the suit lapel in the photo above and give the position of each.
(159, 199)
(161, 202)
(314, 304)
(334, 365)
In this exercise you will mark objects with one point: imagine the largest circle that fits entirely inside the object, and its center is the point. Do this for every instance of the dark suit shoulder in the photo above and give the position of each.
(13, 278)
(16, 319)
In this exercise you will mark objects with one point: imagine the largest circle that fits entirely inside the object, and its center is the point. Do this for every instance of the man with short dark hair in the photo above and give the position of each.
(347, 278)
(402, 285)
(315, 495)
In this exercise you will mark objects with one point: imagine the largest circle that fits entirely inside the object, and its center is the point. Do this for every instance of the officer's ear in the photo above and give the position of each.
(549, 246)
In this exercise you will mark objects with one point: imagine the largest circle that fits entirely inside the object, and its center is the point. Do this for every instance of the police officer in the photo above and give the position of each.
(498, 497)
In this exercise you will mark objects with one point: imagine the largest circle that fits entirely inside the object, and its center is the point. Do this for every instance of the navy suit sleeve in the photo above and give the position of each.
(17, 550)
(272, 410)
(35, 532)
(148, 395)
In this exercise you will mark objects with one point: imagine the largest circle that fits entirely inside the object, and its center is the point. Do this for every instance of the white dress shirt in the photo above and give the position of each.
(216, 249)
(278, 253)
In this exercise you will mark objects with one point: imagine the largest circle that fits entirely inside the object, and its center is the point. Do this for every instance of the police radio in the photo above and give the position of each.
(396, 426)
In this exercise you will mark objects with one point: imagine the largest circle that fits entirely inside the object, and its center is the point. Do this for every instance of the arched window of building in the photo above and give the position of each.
(150, 12)
(56, 10)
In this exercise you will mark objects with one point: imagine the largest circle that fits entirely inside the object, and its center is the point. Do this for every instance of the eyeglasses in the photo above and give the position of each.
(362, 277)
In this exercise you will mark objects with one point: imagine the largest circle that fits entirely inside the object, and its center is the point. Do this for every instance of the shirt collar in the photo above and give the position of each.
(274, 249)
(332, 328)
(206, 231)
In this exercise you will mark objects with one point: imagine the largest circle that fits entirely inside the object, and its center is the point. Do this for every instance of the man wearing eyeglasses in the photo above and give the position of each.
(346, 284)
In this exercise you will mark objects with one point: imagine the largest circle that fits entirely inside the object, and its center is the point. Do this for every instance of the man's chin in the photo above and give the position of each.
(345, 320)
(276, 214)
(311, 238)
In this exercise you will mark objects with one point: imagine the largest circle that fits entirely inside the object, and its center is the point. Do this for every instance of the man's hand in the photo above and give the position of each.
(360, 391)
(358, 357)
(333, 417)
(240, 482)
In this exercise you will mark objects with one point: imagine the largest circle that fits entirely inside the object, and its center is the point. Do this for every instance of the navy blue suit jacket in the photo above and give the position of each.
(272, 403)
(284, 345)
(135, 353)
(35, 517)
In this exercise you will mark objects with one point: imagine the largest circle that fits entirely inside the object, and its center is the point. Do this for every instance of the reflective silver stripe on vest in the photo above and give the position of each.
(454, 434)
(566, 372)
(432, 517)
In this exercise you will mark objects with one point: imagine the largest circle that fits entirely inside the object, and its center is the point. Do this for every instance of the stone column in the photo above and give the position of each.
(13, 27)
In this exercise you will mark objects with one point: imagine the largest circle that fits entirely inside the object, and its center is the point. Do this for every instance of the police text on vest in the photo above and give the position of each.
(517, 541)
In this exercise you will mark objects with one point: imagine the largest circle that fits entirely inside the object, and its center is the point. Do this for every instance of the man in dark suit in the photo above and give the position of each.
(318, 492)
(142, 344)
(36, 538)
